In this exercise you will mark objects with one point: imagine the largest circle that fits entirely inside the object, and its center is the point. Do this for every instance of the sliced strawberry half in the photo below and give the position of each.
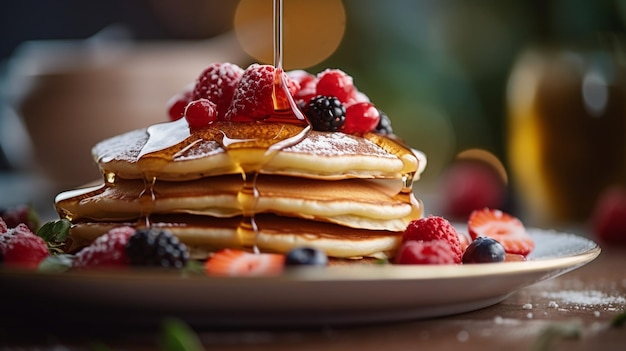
(237, 263)
(503, 227)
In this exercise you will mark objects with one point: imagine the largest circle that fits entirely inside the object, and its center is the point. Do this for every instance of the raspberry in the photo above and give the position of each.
(108, 250)
(426, 252)
(361, 117)
(253, 97)
(307, 83)
(334, 82)
(200, 113)
(434, 228)
(177, 103)
(469, 185)
(13, 216)
(156, 248)
(326, 113)
(217, 83)
(608, 220)
(19, 247)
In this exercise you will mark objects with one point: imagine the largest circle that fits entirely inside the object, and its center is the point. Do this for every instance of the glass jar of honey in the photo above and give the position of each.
(566, 131)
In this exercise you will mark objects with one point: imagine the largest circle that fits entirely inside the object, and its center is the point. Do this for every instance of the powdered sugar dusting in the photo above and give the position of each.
(584, 298)
(337, 144)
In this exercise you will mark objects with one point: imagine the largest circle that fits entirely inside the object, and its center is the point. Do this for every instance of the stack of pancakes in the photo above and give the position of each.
(348, 195)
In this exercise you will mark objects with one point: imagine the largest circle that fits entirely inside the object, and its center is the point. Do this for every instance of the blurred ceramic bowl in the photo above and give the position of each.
(72, 94)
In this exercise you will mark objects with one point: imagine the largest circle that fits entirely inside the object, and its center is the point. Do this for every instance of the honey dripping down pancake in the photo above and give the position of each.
(247, 162)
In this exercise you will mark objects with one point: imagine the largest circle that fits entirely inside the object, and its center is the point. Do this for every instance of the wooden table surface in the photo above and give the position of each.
(538, 317)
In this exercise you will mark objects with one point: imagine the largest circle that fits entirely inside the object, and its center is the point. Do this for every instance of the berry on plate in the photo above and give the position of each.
(503, 227)
(15, 215)
(484, 250)
(19, 247)
(609, 216)
(108, 250)
(426, 252)
(306, 256)
(469, 185)
(156, 248)
(230, 262)
(217, 83)
(433, 228)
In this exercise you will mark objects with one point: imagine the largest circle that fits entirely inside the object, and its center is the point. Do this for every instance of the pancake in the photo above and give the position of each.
(319, 155)
(265, 178)
(356, 203)
(203, 235)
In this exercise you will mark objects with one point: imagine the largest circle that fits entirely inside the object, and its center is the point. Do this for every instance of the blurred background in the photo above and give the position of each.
(517, 104)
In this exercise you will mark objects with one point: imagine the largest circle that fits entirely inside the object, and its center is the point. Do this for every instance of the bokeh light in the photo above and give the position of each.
(312, 30)
(486, 157)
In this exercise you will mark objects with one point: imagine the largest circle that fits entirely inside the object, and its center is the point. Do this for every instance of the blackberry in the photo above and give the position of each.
(156, 248)
(326, 113)
(384, 125)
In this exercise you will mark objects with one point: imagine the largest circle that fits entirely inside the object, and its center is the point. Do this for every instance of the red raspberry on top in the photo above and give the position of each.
(177, 103)
(19, 247)
(253, 97)
(217, 83)
(433, 228)
(108, 250)
(335, 82)
(307, 83)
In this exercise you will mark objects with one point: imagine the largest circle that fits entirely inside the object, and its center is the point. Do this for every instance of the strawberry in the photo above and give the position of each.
(434, 228)
(217, 83)
(609, 217)
(200, 113)
(503, 227)
(426, 252)
(229, 262)
(108, 250)
(19, 247)
(177, 103)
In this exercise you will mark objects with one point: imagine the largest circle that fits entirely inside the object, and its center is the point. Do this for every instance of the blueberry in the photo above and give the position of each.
(306, 256)
(484, 250)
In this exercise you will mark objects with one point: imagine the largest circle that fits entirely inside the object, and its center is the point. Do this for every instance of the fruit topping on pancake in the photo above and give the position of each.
(258, 159)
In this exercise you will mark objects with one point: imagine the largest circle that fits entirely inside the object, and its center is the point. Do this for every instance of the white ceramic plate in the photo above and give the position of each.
(307, 297)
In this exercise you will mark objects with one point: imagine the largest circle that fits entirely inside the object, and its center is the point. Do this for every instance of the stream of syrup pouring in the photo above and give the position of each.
(286, 126)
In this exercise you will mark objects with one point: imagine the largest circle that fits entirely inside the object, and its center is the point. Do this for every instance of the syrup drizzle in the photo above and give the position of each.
(285, 127)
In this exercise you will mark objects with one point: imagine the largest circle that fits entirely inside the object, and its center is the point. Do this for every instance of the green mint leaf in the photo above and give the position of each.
(619, 320)
(178, 336)
(545, 340)
(55, 231)
(194, 267)
(56, 263)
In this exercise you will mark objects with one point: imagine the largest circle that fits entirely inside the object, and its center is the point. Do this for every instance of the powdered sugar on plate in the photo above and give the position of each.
(581, 299)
